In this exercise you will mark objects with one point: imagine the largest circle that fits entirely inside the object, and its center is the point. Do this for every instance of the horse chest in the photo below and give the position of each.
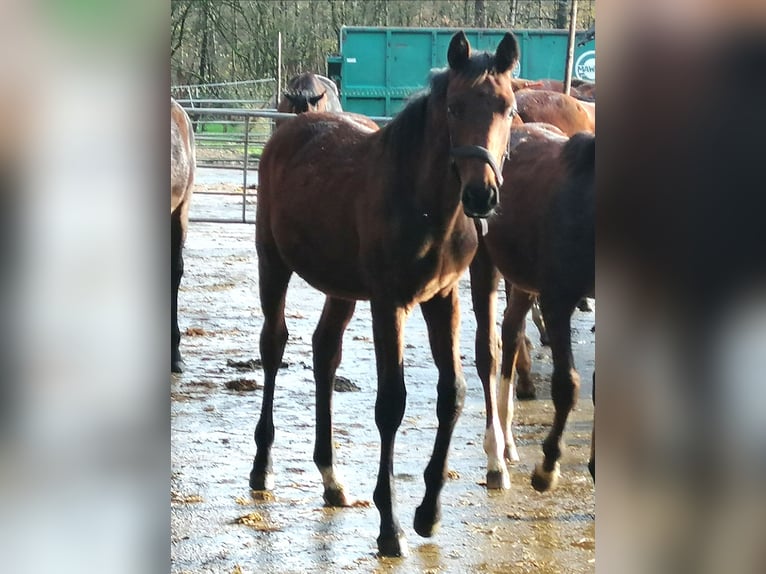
(432, 265)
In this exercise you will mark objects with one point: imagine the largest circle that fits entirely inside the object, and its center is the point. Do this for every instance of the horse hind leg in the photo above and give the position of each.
(592, 460)
(484, 281)
(274, 276)
(327, 345)
(177, 229)
(565, 385)
(514, 345)
(537, 318)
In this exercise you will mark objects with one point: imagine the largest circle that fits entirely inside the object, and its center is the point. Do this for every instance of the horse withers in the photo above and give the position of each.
(182, 166)
(383, 216)
(542, 242)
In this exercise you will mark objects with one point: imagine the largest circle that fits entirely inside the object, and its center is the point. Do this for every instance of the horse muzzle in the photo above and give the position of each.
(479, 200)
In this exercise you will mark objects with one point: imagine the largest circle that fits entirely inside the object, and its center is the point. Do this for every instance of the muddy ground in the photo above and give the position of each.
(218, 525)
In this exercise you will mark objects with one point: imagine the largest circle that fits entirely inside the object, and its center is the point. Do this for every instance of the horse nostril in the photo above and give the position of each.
(494, 196)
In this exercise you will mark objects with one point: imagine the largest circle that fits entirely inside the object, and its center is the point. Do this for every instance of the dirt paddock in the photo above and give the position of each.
(218, 525)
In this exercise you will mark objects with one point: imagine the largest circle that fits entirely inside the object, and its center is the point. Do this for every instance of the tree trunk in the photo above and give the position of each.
(562, 14)
(512, 14)
(479, 14)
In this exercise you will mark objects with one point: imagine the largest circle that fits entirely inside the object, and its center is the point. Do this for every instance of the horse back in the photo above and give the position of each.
(568, 254)
(532, 175)
(182, 157)
(313, 196)
(563, 111)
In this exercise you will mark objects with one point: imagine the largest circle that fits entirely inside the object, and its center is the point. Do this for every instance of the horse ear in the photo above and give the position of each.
(290, 97)
(314, 100)
(459, 51)
(507, 53)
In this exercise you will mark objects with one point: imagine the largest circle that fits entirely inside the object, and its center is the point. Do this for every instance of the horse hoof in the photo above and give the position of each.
(542, 480)
(426, 523)
(592, 469)
(511, 453)
(177, 366)
(498, 480)
(336, 498)
(262, 481)
(526, 393)
(393, 546)
(584, 306)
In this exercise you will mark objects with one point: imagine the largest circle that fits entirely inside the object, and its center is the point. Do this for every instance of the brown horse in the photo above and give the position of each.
(309, 92)
(565, 112)
(542, 241)
(306, 92)
(383, 216)
(182, 165)
(580, 89)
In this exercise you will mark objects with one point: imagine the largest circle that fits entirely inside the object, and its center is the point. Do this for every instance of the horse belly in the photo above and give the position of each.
(327, 259)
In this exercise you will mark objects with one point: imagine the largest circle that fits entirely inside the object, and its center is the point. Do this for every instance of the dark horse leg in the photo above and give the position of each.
(387, 328)
(592, 461)
(514, 346)
(565, 384)
(177, 233)
(442, 316)
(274, 277)
(327, 345)
(484, 281)
(537, 318)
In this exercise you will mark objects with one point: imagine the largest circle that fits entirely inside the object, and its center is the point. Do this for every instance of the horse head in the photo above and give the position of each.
(480, 106)
(302, 102)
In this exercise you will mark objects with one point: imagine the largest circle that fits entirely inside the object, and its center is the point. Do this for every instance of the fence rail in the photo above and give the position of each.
(233, 138)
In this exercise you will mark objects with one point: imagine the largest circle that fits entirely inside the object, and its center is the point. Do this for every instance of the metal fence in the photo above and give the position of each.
(232, 138)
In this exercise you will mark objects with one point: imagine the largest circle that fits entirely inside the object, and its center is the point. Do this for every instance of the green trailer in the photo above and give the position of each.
(378, 68)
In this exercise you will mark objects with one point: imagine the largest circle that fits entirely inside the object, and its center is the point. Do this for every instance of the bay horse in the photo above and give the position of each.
(309, 92)
(383, 216)
(541, 240)
(182, 166)
(565, 112)
(580, 89)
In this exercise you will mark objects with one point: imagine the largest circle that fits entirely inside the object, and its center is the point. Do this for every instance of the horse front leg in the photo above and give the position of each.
(273, 278)
(484, 281)
(442, 316)
(565, 385)
(387, 328)
(328, 347)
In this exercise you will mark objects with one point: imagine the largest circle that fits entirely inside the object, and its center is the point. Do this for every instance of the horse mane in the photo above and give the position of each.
(579, 153)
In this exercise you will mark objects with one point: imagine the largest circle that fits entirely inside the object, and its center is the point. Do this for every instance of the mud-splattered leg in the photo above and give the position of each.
(328, 349)
(387, 326)
(442, 315)
(274, 277)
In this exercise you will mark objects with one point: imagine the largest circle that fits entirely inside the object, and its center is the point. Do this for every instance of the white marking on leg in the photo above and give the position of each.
(330, 479)
(506, 416)
(494, 447)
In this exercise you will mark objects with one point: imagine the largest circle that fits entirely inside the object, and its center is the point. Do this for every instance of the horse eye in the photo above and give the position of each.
(455, 111)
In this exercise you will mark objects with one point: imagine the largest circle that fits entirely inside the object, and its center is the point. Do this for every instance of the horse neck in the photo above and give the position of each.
(431, 188)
